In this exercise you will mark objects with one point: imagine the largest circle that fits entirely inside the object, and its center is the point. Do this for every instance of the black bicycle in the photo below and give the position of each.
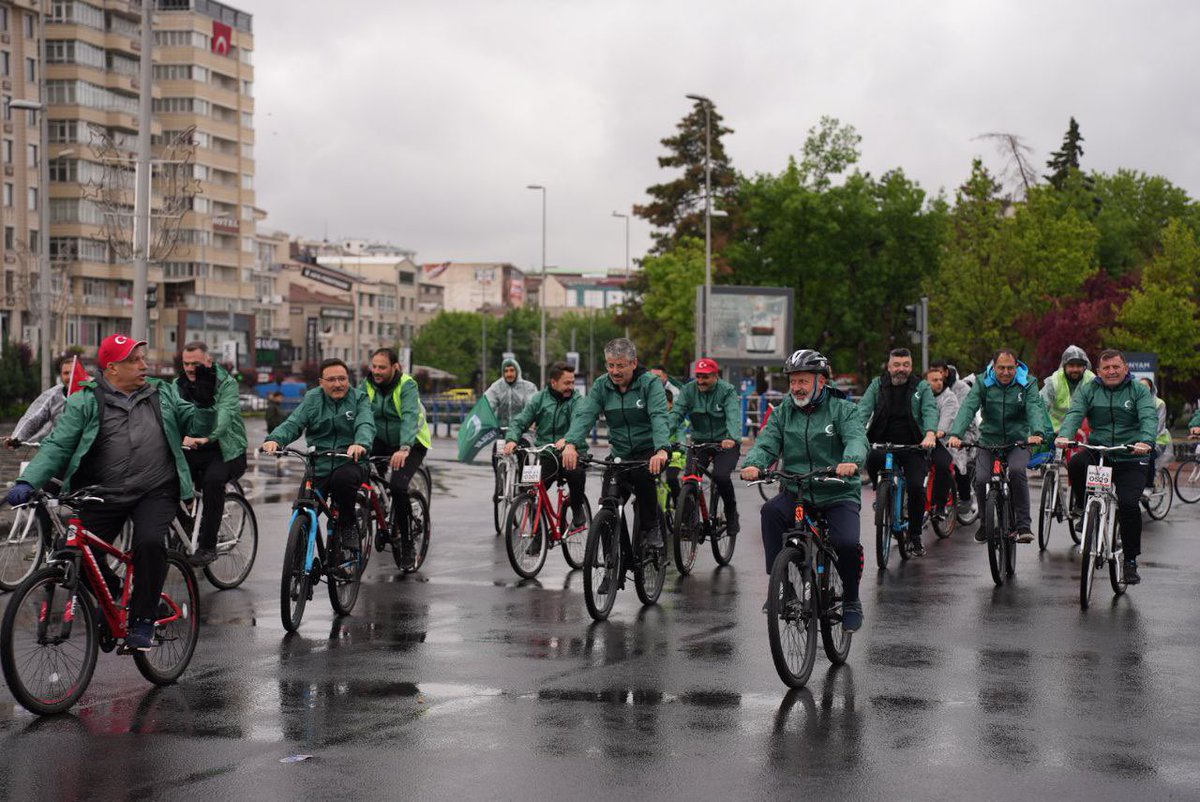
(700, 513)
(385, 518)
(805, 590)
(998, 528)
(609, 547)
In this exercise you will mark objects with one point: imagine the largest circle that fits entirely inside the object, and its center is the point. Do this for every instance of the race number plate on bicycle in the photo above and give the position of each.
(531, 473)
(1099, 477)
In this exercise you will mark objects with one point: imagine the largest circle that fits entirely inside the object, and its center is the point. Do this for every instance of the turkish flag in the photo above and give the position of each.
(78, 376)
(222, 38)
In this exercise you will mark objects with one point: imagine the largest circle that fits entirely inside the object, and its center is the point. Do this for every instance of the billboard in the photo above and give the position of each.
(750, 325)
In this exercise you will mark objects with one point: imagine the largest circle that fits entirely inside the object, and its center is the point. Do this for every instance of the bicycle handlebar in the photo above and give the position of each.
(819, 475)
(613, 462)
(295, 452)
(898, 447)
(1090, 447)
(995, 449)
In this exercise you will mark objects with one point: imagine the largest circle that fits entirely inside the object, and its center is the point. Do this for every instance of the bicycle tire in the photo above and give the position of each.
(762, 489)
(526, 536)
(574, 542)
(1046, 506)
(422, 482)
(883, 525)
(1116, 563)
(993, 531)
(723, 543)
(1010, 555)
(792, 618)
(1087, 571)
(22, 548)
(295, 585)
(834, 637)
(946, 522)
(24, 616)
(343, 592)
(420, 529)
(1161, 495)
(899, 510)
(649, 565)
(174, 642)
(1187, 480)
(500, 500)
(239, 536)
(972, 514)
(684, 542)
(602, 559)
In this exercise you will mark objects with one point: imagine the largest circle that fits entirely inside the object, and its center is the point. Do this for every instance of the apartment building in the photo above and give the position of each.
(475, 286)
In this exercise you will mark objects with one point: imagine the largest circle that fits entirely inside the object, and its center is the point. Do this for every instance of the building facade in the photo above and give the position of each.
(476, 286)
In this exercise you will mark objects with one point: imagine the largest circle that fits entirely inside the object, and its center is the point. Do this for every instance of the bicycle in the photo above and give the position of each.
(1053, 504)
(55, 623)
(1187, 478)
(24, 547)
(796, 604)
(1156, 499)
(891, 507)
(699, 514)
(505, 466)
(609, 547)
(944, 520)
(1101, 530)
(536, 525)
(307, 556)
(997, 524)
(385, 517)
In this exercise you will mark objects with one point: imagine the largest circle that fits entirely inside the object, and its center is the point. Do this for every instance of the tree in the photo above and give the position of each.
(1066, 159)
(1017, 170)
(676, 207)
(666, 332)
(1083, 320)
(591, 328)
(829, 149)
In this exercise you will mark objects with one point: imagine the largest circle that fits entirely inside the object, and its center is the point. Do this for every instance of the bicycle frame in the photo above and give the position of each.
(1105, 500)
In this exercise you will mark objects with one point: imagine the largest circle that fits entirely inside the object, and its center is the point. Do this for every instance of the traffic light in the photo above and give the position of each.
(913, 323)
(151, 295)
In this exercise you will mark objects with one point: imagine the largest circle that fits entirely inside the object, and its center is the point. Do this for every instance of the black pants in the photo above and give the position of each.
(643, 485)
(210, 474)
(1017, 460)
(941, 475)
(401, 479)
(1129, 478)
(723, 463)
(778, 516)
(341, 486)
(914, 466)
(151, 515)
(576, 479)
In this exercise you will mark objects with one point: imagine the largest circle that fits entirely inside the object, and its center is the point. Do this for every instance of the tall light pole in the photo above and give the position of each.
(626, 217)
(701, 99)
(46, 329)
(142, 175)
(542, 293)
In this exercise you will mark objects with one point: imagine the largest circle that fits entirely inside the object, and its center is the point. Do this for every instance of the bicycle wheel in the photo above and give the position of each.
(602, 571)
(525, 538)
(719, 538)
(1116, 563)
(762, 489)
(685, 542)
(649, 565)
(1187, 480)
(1009, 545)
(422, 482)
(295, 585)
(47, 659)
(420, 529)
(883, 525)
(945, 521)
(834, 638)
(1046, 506)
(1158, 503)
(343, 591)
(993, 531)
(792, 618)
(971, 514)
(1091, 533)
(22, 547)
(237, 544)
(174, 640)
(500, 500)
(574, 541)
(899, 512)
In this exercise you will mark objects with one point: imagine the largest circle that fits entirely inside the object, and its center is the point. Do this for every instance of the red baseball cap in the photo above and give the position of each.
(116, 348)
(707, 365)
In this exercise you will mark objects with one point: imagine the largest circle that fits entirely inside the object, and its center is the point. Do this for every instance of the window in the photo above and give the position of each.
(34, 240)
(247, 120)
(8, 151)
(407, 278)
(78, 249)
(72, 51)
(247, 150)
(64, 131)
(30, 69)
(30, 26)
(180, 72)
(76, 171)
(247, 212)
(247, 244)
(125, 65)
(181, 105)
(200, 172)
(5, 63)
(8, 194)
(181, 39)
(247, 181)
(72, 11)
(7, 108)
(33, 198)
(10, 236)
(31, 155)
(3, 18)
(248, 88)
(124, 26)
(75, 210)
(90, 95)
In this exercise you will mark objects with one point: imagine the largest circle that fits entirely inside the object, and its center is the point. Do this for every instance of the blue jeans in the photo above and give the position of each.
(778, 516)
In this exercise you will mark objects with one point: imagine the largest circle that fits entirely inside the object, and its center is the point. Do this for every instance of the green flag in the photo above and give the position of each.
(478, 431)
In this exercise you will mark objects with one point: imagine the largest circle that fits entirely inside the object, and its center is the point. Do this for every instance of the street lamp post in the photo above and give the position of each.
(626, 218)
(707, 340)
(542, 293)
(44, 288)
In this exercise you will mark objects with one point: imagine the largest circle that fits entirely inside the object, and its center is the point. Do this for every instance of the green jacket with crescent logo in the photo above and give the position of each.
(329, 425)
(820, 436)
(399, 415)
(76, 431)
(222, 421)
(715, 415)
(550, 413)
(637, 418)
(1119, 416)
(1010, 412)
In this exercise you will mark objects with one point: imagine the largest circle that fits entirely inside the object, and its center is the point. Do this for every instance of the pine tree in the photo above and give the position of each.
(1063, 161)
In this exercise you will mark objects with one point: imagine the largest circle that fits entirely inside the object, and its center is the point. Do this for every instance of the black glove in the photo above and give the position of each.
(204, 389)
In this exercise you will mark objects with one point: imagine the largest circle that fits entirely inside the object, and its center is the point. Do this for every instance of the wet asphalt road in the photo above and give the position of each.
(464, 680)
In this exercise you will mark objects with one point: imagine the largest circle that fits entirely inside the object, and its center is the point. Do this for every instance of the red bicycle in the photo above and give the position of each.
(53, 626)
(535, 524)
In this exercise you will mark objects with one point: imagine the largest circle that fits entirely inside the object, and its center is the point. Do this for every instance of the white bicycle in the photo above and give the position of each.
(1101, 532)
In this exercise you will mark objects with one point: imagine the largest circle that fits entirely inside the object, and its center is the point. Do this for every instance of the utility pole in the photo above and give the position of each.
(925, 333)
(142, 176)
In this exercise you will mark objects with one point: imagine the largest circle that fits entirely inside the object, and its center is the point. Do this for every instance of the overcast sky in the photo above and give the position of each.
(421, 123)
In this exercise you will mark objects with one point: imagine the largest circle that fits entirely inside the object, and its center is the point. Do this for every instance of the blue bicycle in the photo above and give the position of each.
(308, 556)
(891, 507)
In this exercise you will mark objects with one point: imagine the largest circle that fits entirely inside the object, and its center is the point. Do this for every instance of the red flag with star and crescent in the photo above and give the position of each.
(78, 376)
(222, 38)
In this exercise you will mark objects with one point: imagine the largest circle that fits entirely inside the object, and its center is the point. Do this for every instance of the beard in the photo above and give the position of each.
(802, 400)
(900, 378)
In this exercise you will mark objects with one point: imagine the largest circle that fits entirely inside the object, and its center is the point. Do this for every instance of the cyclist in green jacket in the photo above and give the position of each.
(215, 442)
(401, 432)
(334, 417)
(634, 403)
(715, 411)
(815, 427)
(550, 412)
(1121, 412)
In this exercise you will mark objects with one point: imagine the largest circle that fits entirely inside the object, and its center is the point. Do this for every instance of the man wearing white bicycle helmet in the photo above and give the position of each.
(818, 428)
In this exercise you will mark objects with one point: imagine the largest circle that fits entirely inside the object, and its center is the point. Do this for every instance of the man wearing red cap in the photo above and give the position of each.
(123, 432)
(715, 410)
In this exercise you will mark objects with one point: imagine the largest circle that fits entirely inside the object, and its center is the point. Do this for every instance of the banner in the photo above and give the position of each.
(222, 38)
(78, 376)
(479, 430)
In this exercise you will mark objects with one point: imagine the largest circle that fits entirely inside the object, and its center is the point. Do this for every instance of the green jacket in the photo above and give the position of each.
(715, 415)
(637, 418)
(399, 415)
(222, 421)
(550, 413)
(1195, 421)
(924, 409)
(329, 425)
(1011, 412)
(804, 441)
(1125, 414)
(76, 431)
